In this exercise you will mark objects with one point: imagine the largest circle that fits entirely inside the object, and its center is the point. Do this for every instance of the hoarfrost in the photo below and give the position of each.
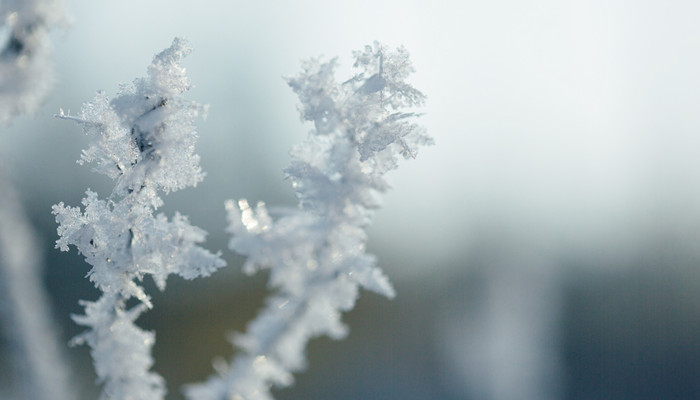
(144, 140)
(316, 254)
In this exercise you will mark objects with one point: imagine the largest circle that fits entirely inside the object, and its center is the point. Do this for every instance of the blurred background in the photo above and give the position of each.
(545, 248)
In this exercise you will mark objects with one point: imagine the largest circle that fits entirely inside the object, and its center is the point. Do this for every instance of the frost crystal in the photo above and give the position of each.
(25, 75)
(144, 140)
(316, 253)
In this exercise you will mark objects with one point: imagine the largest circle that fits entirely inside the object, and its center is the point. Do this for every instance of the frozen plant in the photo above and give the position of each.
(316, 253)
(25, 72)
(144, 140)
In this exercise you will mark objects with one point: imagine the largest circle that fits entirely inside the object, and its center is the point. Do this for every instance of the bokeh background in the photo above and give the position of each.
(545, 248)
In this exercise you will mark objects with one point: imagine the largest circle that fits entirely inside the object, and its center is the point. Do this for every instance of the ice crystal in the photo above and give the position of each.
(316, 253)
(144, 140)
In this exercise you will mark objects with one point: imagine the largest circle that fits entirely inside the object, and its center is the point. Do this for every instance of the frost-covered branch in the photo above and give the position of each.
(25, 72)
(316, 253)
(144, 140)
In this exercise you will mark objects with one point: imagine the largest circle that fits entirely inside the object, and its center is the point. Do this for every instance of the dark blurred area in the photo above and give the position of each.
(610, 331)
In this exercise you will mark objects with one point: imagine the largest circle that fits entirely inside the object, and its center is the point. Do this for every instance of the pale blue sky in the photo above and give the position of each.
(565, 124)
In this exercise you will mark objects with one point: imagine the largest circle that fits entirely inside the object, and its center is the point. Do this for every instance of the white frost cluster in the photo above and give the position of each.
(144, 140)
(25, 72)
(316, 253)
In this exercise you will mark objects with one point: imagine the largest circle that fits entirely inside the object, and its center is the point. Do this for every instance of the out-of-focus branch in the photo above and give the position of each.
(39, 365)
(26, 74)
